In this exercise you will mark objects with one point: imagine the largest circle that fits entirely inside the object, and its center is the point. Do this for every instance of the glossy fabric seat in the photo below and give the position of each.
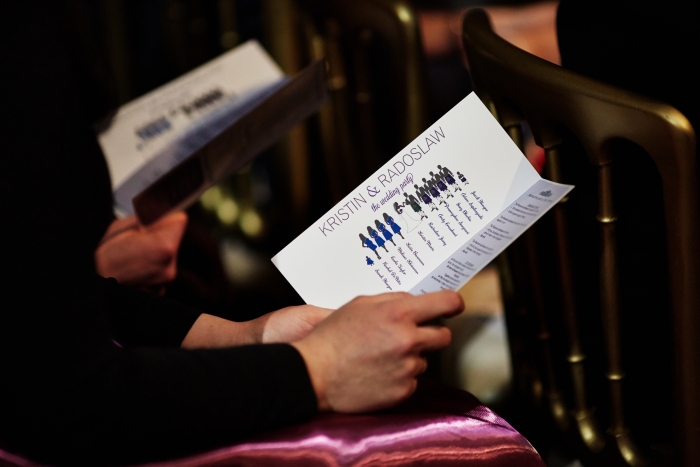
(437, 426)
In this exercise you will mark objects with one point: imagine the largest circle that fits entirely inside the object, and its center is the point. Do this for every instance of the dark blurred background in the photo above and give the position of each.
(378, 104)
(237, 226)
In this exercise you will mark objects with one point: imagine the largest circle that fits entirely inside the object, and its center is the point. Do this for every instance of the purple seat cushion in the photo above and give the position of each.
(438, 425)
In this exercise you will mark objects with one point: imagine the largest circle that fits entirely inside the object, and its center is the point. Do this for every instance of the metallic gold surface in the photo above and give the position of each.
(281, 18)
(519, 87)
(557, 407)
(609, 297)
(350, 128)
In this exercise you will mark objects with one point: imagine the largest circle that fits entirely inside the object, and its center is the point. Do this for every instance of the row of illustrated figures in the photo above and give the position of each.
(376, 240)
(436, 189)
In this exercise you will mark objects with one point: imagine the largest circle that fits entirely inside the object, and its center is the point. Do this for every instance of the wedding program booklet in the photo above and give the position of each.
(168, 146)
(429, 219)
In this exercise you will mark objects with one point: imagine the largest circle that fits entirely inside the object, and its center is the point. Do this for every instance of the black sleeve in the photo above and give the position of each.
(58, 200)
(139, 318)
(69, 395)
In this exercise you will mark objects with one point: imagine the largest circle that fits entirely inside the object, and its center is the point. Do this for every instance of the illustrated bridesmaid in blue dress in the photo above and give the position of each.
(386, 232)
(377, 238)
(367, 243)
(392, 224)
(369, 261)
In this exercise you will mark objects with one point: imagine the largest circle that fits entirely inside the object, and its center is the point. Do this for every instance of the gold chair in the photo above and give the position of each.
(560, 105)
(376, 79)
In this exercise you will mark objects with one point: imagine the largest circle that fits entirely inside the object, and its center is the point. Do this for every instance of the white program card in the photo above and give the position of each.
(154, 133)
(429, 219)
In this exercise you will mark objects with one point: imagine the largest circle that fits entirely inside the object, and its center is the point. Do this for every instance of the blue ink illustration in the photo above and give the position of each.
(377, 238)
(367, 243)
(429, 186)
(425, 197)
(433, 193)
(385, 232)
(449, 177)
(437, 180)
(462, 178)
(396, 228)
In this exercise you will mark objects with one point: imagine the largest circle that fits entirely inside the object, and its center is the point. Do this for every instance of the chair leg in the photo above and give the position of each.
(609, 292)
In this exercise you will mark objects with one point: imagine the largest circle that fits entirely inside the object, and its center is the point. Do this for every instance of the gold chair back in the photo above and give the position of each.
(556, 104)
(376, 79)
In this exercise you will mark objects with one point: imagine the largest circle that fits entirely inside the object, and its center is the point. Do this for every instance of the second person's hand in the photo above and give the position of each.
(367, 354)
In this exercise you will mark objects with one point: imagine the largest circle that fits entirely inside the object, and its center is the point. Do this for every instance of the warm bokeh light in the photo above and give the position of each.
(251, 223)
(227, 211)
(211, 198)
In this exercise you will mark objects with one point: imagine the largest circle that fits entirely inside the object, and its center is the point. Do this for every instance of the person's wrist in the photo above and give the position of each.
(315, 366)
(257, 328)
(210, 331)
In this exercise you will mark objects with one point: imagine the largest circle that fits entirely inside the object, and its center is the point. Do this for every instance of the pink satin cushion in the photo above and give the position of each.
(438, 426)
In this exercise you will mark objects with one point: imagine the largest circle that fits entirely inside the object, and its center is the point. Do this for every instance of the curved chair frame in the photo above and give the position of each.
(343, 31)
(518, 86)
(397, 23)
